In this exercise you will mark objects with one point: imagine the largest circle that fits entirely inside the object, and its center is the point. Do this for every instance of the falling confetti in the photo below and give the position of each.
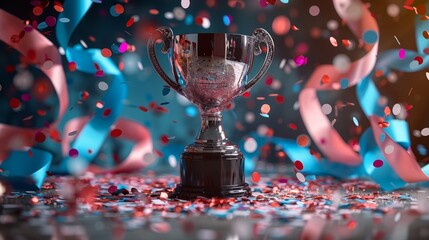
(355, 121)
(256, 177)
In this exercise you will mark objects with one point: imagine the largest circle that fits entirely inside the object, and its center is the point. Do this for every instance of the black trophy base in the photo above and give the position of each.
(209, 175)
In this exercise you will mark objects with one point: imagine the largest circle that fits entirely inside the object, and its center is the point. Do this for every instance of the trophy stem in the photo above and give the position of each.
(211, 132)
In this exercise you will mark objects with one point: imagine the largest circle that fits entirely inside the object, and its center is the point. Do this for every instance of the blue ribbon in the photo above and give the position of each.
(368, 97)
(23, 172)
(96, 130)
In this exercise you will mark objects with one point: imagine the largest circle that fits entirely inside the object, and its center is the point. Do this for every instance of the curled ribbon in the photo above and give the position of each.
(323, 134)
(30, 164)
(400, 166)
(94, 131)
(341, 160)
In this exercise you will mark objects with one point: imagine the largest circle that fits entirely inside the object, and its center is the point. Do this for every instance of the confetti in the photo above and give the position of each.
(73, 153)
(387, 111)
(256, 177)
(355, 121)
(39, 137)
(300, 177)
(401, 53)
(14, 103)
(265, 109)
(325, 79)
(333, 41)
(115, 133)
(105, 52)
(370, 37)
(281, 25)
(425, 132)
(250, 145)
(389, 149)
(303, 140)
(298, 165)
(185, 3)
(314, 10)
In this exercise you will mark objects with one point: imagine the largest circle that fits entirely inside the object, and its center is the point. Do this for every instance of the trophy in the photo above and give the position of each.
(210, 70)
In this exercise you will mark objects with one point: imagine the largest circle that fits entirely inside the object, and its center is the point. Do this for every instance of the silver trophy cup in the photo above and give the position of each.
(210, 70)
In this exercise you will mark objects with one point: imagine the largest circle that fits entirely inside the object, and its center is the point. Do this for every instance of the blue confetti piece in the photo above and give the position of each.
(344, 83)
(264, 115)
(165, 90)
(370, 37)
(226, 20)
(355, 121)
(422, 150)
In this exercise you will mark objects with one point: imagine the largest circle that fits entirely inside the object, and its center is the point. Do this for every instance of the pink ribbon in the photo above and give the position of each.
(403, 162)
(319, 127)
(15, 138)
(131, 130)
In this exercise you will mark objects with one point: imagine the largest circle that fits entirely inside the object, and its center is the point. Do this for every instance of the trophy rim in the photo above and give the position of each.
(216, 33)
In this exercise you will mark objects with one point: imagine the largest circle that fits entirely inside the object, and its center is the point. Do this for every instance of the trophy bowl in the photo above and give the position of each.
(210, 70)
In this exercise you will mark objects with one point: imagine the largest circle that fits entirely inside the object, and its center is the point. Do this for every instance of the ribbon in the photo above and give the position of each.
(323, 134)
(400, 166)
(94, 131)
(341, 160)
(19, 164)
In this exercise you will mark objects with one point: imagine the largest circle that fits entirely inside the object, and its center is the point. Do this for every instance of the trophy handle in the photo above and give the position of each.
(166, 35)
(261, 36)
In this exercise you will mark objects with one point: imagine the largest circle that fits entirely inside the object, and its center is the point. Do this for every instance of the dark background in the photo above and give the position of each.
(180, 123)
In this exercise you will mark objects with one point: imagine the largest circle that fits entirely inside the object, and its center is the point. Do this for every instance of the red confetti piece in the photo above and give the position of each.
(119, 9)
(199, 21)
(30, 153)
(10, 69)
(158, 153)
(39, 137)
(408, 107)
(58, 7)
(107, 112)
(73, 153)
(246, 94)
(377, 163)
(37, 11)
(164, 139)
(280, 99)
(143, 108)
(99, 73)
(72, 66)
(115, 133)
(256, 177)
(41, 112)
(269, 81)
(84, 95)
(14, 103)
(387, 111)
(112, 189)
(130, 22)
(383, 124)
(293, 126)
(105, 52)
(325, 79)
(303, 140)
(294, 28)
(419, 60)
(346, 43)
(298, 165)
